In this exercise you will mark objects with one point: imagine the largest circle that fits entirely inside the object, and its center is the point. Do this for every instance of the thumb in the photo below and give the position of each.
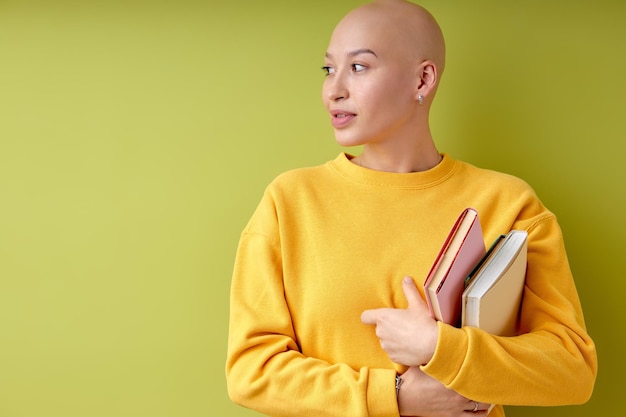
(411, 293)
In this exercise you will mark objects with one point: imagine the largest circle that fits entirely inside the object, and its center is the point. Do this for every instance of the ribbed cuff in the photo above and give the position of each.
(381, 393)
(449, 354)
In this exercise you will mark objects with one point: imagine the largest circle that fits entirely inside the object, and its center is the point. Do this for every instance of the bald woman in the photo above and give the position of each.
(327, 316)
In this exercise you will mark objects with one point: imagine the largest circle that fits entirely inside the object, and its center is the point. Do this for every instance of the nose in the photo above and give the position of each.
(335, 87)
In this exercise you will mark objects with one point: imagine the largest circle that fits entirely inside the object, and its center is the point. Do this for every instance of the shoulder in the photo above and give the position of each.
(289, 194)
(505, 196)
(498, 186)
(297, 175)
(301, 180)
(290, 185)
(494, 178)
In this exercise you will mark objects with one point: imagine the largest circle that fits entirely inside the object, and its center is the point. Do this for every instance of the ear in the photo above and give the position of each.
(427, 78)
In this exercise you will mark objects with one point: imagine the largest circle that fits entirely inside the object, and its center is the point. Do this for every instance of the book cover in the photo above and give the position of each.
(463, 248)
(493, 296)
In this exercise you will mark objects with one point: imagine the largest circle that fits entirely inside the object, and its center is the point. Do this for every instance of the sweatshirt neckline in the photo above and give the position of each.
(423, 179)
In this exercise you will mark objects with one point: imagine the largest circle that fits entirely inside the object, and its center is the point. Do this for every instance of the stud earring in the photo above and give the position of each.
(420, 98)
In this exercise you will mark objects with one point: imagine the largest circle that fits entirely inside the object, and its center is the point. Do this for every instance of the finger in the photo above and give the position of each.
(478, 408)
(369, 317)
(411, 293)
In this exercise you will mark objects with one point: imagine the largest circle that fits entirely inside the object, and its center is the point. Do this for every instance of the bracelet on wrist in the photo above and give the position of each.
(399, 382)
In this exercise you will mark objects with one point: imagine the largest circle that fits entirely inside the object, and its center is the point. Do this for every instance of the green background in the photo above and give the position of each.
(136, 139)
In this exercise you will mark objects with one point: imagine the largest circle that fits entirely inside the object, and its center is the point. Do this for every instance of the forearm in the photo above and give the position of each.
(552, 361)
(287, 383)
(266, 369)
(537, 368)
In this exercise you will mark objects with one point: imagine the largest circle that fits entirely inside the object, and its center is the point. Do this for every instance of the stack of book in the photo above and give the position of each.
(471, 286)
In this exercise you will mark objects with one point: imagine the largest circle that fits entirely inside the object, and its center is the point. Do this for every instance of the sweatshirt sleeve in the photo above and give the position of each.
(265, 368)
(551, 362)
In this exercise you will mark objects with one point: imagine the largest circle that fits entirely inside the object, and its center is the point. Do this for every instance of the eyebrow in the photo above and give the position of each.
(356, 52)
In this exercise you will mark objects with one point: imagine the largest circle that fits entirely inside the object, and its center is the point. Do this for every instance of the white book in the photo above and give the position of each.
(491, 301)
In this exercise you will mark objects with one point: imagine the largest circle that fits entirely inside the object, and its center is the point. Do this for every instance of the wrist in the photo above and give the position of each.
(431, 340)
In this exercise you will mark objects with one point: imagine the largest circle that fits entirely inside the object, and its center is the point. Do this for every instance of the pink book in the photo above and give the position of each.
(461, 252)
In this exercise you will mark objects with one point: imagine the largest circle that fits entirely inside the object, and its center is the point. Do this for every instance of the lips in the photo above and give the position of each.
(341, 118)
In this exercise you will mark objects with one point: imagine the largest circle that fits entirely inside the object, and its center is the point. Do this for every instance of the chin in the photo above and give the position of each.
(349, 140)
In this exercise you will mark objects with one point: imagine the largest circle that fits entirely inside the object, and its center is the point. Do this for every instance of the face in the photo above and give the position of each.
(370, 87)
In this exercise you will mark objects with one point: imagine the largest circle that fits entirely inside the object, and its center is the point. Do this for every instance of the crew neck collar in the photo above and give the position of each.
(366, 176)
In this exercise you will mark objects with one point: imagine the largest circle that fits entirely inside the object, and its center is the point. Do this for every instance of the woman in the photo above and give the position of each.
(326, 315)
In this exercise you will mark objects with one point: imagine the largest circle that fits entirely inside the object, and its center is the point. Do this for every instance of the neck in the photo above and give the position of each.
(417, 156)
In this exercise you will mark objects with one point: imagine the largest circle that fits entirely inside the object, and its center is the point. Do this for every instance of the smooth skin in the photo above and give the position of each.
(383, 66)
(381, 88)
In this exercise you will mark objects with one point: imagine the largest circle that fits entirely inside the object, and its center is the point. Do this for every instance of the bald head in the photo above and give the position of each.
(408, 30)
(383, 66)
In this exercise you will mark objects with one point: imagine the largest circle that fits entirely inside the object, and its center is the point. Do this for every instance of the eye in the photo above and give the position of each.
(328, 70)
(358, 67)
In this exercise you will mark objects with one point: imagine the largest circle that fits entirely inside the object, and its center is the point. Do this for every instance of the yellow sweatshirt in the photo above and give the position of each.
(328, 242)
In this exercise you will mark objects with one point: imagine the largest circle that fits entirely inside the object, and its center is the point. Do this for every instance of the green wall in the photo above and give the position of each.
(136, 138)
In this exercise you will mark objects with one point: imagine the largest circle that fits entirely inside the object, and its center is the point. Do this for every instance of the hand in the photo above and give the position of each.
(409, 336)
(421, 395)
